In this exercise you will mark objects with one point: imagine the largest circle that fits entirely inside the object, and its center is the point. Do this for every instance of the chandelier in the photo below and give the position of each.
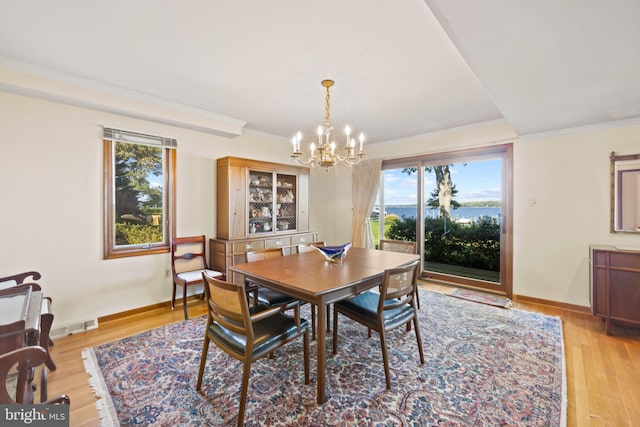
(324, 154)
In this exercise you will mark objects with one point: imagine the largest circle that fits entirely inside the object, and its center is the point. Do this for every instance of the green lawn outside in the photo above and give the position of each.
(374, 227)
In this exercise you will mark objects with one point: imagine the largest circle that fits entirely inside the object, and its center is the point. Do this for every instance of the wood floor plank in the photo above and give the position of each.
(603, 372)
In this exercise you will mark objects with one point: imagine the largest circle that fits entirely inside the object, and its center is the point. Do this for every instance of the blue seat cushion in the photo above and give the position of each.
(270, 297)
(365, 306)
(269, 334)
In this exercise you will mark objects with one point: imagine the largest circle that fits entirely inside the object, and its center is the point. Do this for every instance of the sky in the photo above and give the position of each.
(475, 181)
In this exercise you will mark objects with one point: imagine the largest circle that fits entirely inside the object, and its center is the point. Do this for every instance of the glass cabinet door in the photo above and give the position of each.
(272, 202)
(286, 202)
(260, 202)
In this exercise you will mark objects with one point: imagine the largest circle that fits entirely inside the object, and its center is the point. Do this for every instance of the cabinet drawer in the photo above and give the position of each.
(250, 245)
(625, 260)
(277, 242)
(303, 239)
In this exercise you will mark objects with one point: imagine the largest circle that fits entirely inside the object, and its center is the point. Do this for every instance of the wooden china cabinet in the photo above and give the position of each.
(260, 205)
(615, 285)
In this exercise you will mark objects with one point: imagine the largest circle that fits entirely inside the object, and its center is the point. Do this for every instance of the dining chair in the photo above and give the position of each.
(308, 247)
(246, 332)
(404, 246)
(188, 262)
(392, 307)
(260, 293)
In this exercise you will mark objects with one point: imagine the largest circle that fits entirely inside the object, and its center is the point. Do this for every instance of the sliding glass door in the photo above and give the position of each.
(464, 219)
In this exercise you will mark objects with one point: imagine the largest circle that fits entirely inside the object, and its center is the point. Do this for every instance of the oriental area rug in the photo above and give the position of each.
(484, 366)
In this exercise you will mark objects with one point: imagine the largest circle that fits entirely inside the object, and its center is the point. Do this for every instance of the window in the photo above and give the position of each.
(139, 193)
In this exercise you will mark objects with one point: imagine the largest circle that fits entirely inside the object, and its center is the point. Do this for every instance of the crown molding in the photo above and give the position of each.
(29, 80)
(449, 131)
(582, 129)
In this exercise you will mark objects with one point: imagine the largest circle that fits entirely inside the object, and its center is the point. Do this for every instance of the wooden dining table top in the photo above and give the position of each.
(310, 274)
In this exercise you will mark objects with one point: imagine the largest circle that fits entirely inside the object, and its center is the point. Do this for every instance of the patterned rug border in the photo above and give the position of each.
(109, 417)
(104, 403)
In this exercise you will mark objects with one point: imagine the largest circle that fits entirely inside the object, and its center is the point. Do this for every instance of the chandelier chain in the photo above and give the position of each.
(327, 116)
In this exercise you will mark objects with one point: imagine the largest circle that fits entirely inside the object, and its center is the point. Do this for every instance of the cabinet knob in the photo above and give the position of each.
(249, 246)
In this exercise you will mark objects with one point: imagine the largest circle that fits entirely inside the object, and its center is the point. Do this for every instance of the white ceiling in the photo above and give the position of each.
(402, 68)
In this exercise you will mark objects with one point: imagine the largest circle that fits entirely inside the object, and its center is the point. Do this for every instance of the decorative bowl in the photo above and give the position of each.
(334, 253)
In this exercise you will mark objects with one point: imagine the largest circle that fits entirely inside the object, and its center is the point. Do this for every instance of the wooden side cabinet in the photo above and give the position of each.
(260, 205)
(225, 253)
(256, 199)
(615, 285)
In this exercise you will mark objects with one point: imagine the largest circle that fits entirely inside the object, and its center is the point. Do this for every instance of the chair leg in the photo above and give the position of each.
(306, 356)
(184, 302)
(385, 358)
(203, 361)
(335, 330)
(417, 329)
(173, 296)
(245, 389)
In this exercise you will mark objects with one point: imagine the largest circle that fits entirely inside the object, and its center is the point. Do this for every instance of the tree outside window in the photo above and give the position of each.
(139, 195)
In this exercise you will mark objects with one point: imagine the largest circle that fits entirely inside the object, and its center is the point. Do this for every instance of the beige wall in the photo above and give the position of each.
(51, 195)
(51, 203)
(569, 178)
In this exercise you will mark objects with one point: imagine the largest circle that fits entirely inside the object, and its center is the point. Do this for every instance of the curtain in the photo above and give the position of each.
(365, 183)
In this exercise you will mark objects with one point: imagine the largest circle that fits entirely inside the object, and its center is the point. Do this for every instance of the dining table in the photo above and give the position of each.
(310, 277)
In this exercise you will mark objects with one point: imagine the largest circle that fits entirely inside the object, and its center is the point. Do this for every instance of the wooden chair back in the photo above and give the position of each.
(404, 246)
(188, 254)
(252, 256)
(398, 288)
(18, 279)
(227, 305)
(308, 247)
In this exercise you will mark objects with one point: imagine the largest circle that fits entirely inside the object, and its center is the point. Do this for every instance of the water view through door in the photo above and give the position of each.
(464, 224)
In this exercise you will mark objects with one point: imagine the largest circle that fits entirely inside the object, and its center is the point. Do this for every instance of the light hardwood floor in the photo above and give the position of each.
(603, 372)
